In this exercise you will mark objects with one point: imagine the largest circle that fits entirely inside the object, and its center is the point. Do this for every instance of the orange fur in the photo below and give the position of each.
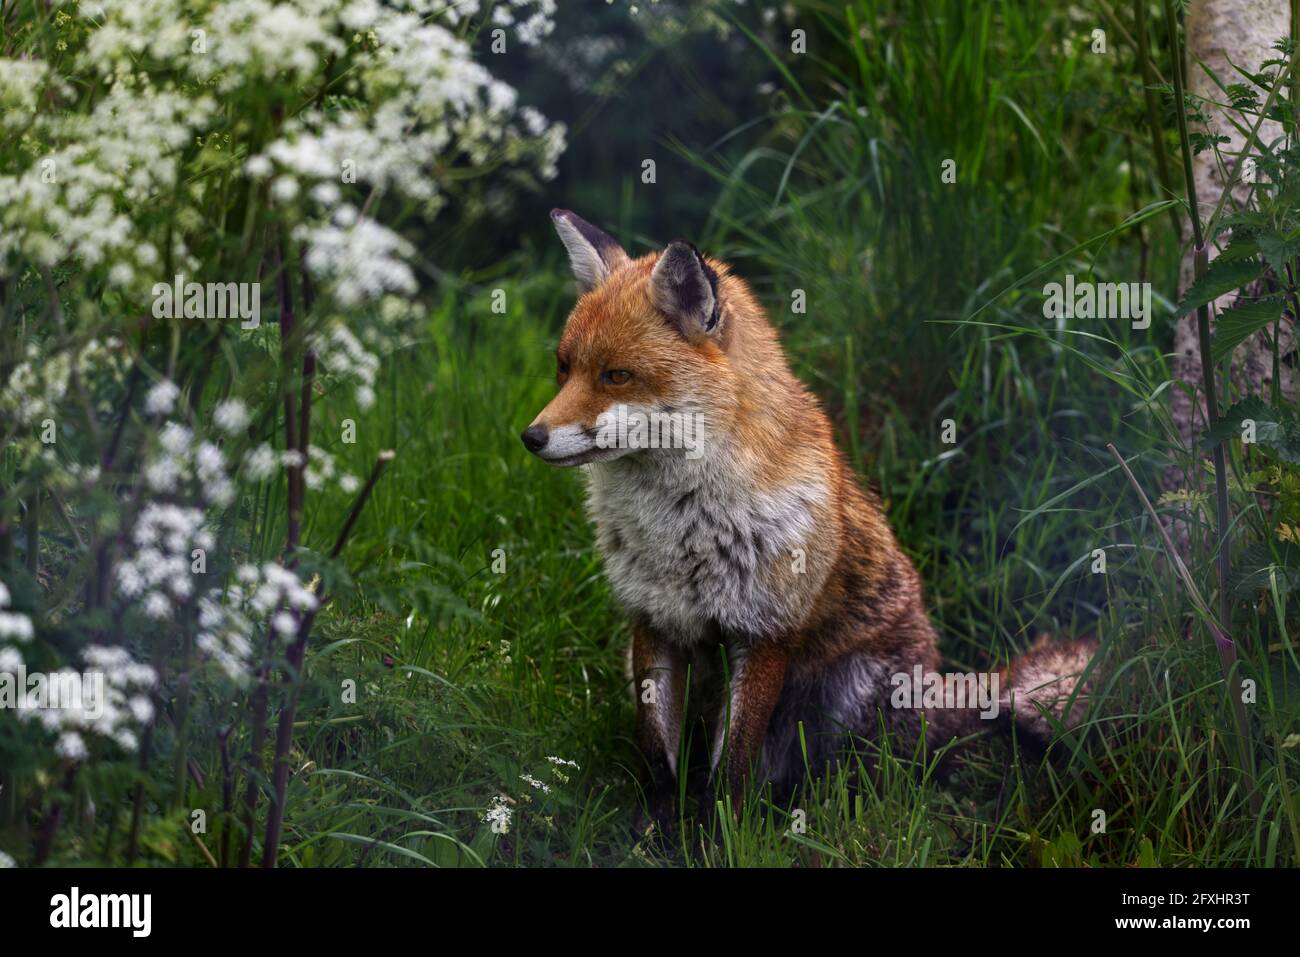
(817, 635)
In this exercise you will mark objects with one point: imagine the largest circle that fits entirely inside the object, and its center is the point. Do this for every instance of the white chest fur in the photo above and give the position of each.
(689, 542)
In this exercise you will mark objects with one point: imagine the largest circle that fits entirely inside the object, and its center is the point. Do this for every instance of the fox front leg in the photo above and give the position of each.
(757, 675)
(659, 674)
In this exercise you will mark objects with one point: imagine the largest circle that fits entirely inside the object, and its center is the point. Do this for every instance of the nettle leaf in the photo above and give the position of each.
(1221, 277)
(1278, 250)
(1229, 425)
(1275, 429)
(1242, 245)
(1249, 219)
(1261, 563)
(1234, 326)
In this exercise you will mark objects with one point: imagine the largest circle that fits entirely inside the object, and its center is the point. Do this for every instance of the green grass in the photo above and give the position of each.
(918, 312)
(493, 673)
(468, 676)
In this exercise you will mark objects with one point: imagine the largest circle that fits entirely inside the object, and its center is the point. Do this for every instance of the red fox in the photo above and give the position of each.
(737, 537)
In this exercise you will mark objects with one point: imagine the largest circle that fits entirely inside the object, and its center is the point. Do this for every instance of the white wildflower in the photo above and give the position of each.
(260, 463)
(161, 398)
(16, 626)
(157, 606)
(499, 814)
(71, 746)
(535, 783)
(230, 416)
(11, 660)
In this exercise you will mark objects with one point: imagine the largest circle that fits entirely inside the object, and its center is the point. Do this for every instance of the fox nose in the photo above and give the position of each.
(535, 437)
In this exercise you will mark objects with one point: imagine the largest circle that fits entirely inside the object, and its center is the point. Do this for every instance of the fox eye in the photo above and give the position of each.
(561, 367)
(616, 376)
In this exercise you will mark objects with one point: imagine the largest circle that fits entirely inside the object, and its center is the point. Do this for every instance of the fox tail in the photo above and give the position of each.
(1048, 686)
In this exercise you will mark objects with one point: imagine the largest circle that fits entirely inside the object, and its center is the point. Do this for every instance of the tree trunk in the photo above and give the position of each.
(1220, 33)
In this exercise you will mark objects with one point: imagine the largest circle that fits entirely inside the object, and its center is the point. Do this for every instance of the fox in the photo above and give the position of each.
(762, 580)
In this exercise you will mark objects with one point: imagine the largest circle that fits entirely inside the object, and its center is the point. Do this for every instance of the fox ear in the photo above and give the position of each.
(685, 288)
(593, 254)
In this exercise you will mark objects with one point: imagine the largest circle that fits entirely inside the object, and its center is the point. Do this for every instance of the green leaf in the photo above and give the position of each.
(1279, 250)
(1275, 429)
(1258, 564)
(1219, 278)
(1147, 854)
(1242, 245)
(1234, 326)
(1251, 219)
(370, 842)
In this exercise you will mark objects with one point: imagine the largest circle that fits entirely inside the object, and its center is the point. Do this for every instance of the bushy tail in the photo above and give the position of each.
(1048, 679)
(1045, 689)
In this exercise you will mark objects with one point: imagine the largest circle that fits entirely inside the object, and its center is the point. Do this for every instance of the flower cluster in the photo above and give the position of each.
(109, 698)
(436, 103)
(320, 469)
(272, 147)
(267, 599)
(83, 187)
(339, 352)
(499, 814)
(14, 626)
(74, 200)
(181, 457)
(160, 573)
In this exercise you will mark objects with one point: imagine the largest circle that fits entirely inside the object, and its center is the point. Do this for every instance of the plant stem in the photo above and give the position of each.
(1220, 458)
(1200, 260)
(257, 742)
(296, 655)
(146, 751)
(1153, 114)
(1227, 650)
(50, 825)
(32, 530)
(227, 793)
(293, 441)
(292, 437)
(1223, 644)
(1176, 51)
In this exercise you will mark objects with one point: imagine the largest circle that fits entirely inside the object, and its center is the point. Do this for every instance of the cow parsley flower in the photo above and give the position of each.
(71, 746)
(536, 784)
(499, 814)
(13, 625)
(161, 398)
(230, 416)
(264, 598)
(10, 660)
(108, 707)
(260, 463)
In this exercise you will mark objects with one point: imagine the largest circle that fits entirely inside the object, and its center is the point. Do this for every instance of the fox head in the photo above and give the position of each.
(645, 346)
